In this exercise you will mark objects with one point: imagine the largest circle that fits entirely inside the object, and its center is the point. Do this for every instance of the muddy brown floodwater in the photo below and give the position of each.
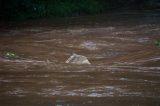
(124, 70)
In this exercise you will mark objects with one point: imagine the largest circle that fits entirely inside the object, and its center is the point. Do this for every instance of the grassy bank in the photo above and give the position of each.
(28, 9)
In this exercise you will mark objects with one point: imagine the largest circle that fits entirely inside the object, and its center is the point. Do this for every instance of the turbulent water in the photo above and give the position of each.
(124, 69)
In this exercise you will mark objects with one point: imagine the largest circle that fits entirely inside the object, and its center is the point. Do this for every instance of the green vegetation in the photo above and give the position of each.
(27, 9)
(24, 9)
(157, 42)
(8, 54)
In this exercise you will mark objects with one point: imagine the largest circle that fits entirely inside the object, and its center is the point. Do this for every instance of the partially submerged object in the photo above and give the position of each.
(77, 59)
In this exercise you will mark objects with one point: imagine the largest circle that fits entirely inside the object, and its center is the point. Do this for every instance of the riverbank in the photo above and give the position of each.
(18, 10)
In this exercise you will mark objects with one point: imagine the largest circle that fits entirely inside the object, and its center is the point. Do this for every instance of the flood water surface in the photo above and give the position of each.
(124, 69)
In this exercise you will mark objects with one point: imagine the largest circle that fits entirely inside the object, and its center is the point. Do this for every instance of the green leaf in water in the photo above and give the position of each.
(157, 42)
(8, 54)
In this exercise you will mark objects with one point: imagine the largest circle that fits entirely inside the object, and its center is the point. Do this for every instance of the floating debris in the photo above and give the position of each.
(77, 59)
(157, 42)
(8, 54)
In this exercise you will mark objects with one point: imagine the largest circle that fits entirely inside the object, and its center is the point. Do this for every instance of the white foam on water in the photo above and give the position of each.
(147, 60)
(89, 45)
(97, 91)
(144, 39)
(17, 92)
(9, 81)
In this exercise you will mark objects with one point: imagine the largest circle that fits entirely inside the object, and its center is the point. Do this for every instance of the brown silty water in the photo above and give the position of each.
(124, 70)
